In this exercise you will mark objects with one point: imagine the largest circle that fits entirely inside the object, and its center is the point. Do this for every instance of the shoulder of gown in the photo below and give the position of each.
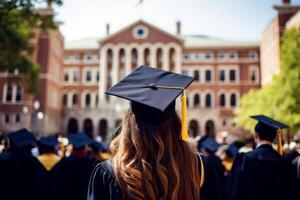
(214, 187)
(103, 184)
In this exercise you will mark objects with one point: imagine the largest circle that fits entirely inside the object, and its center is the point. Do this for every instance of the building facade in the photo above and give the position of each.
(224, 71)
(271, 38)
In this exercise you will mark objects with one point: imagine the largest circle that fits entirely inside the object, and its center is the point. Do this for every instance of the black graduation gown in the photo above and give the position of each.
(261, 174)
(18, 174)
(103, 184)
(74, 175)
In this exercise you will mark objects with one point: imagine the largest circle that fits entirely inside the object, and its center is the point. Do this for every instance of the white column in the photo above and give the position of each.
(103, 74)
(153, 56)
(178, 62)
(115, 66)
(127, 60)
(140, 51)
(166, 58)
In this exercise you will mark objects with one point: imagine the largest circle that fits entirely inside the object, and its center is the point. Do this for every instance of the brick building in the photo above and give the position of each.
(73, 79)
(224, 71)
(270, 43)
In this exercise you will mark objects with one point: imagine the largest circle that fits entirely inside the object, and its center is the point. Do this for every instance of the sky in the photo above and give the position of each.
(228, 19)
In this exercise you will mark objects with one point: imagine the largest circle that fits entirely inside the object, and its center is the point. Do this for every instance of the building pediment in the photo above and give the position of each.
(141, 32)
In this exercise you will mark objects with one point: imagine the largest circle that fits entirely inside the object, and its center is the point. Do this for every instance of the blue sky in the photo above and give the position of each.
(230, 19)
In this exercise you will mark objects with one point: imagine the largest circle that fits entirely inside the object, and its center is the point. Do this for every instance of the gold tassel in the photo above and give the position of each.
(280, 142)
(184, 131)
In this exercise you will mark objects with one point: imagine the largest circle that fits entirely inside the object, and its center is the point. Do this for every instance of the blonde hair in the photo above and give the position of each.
(152, 162)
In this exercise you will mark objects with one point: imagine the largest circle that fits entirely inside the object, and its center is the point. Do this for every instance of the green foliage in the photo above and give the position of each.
(281, 98)
(18, 20)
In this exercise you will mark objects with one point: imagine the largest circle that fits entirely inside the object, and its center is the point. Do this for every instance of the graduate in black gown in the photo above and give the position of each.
(152, 159)
(262, 173)
(76, 168)
(18, 167)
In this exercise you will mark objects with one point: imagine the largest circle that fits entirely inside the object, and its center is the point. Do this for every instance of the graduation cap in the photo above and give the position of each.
(233, 148)
(152, 93)
(267, 125)
(21, 138)
(49, 141)
(210, 144)
(98, 146)
(78, 140)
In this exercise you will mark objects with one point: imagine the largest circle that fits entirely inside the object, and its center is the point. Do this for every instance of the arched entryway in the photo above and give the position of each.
(210, 129)
(193, 128)
(72, 126)
(88, 127)
(103, 129)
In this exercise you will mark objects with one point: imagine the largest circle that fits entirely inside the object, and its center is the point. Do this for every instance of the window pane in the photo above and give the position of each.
(66, 77)
(253, 76)
(88, 100)
(19, 94)
(233, 100)
(197, 75)
(222, 75)
(18, 118)
(97, 76)
(74, 99)
(196, 100)
(88, 76)
(75, 76)
(208, 101)
(207, 75)
(64, 100)
(9, 92)
(232, 75)
(222, 100)
(6, 118)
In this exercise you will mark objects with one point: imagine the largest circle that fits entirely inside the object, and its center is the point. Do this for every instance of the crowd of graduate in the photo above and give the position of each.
(50, 167)
(153, 158)
(54, 167)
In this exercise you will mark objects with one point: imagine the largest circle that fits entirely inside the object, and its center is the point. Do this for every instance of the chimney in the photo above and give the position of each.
(178, 28)
(107, 29)
(286, 2)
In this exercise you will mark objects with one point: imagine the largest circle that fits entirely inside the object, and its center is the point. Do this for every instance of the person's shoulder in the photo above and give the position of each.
(105, 170)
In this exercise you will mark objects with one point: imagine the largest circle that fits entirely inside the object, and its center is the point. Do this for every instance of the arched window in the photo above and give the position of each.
(147, 56)
(74, 100)
(159, 58)
(222, 100)
(88, 127)
(196, 100)
(233, 100)
(65, 100)
(72, 125)
(208, 101)
(103, 129)
(87, 100)
(19, 94)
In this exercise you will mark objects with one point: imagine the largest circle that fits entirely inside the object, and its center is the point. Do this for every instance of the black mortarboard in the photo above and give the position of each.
(49, 141)
(98, 146)
(78, 140)
(233, 149)
(152, 93)
(267, 121)
(21, 138)
(210, 144)
(267, 125)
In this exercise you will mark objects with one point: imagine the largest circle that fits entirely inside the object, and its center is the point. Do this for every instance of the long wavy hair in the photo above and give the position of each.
(153, 163)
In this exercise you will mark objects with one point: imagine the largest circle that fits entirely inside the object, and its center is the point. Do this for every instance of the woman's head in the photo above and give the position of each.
(152, 162)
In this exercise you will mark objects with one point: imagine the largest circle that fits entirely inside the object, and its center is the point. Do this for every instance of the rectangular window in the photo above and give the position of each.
(197, 75)
(9, 93)
(208, 75)
(97, 76)
(18, 118)
(19, 94)
(75, 76)
(6, 118)
(88, 76)
(66, 77)
(232, 75)
(222, 75)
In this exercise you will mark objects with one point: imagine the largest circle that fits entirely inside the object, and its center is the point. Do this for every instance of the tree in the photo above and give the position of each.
(281, 98)
(18, 21)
